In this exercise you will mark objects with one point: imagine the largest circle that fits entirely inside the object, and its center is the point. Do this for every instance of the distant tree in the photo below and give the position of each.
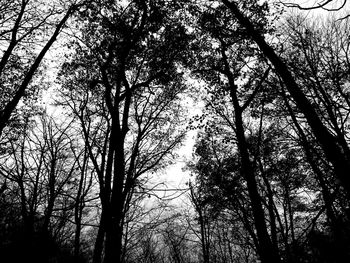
(175, 237)
(40, 174)
(200, 205)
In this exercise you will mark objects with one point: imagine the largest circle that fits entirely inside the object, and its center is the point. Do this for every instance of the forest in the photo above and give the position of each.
(98, 99)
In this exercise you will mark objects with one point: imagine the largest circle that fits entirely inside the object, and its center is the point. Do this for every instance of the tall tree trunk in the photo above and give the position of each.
(114, 233)
(113, 244)
(336, 154)
(266, 250)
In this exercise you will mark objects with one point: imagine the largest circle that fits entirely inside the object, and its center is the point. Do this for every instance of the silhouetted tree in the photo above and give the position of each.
(336, 152)
(40, 172)
(28, 30)
(125, 92)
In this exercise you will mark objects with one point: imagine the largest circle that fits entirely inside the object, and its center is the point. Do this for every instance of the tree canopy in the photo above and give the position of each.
(99, 97)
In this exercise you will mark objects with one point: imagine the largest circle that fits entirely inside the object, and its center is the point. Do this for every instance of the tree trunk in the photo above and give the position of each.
(266, 250)
(114, 233)
(6, 112)
(335, 154)
(97, 257)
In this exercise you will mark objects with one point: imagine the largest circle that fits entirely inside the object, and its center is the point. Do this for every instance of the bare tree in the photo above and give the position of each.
(41, 170)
